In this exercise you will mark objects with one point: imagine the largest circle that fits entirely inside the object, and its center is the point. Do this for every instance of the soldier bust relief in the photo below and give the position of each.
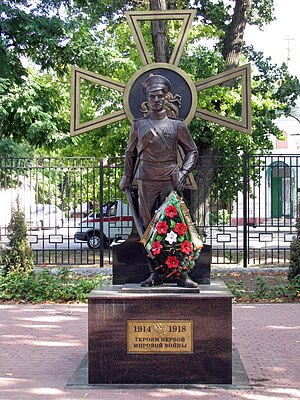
(151, 156)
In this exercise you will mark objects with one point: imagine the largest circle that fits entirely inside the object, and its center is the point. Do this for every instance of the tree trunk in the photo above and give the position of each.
(160, 38)
(201, 198)
(233, 41)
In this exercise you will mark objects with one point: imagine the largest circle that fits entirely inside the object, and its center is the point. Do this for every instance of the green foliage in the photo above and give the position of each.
(262, 12)
(15, 150)
(262, 288)
(47, 287)
(284, 292)
(219, 13)
(294, 268)
(237, 289)
(32, 31)
(220, 217)
(14, 168)
(17, 257)
(32, 111)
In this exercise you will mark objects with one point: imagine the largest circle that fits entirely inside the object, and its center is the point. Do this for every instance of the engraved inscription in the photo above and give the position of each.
(144, 336)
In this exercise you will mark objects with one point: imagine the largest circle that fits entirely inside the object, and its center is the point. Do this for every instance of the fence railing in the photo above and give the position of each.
(245, 207)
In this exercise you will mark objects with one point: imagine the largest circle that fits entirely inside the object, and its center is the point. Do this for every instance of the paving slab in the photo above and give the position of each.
(79, 380)
(42, 347)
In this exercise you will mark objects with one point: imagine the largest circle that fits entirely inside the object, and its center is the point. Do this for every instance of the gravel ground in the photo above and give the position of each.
(272, 276)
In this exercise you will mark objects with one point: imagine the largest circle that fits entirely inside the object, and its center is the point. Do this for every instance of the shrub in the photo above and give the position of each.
(17, 257)
(47, 287)
(294, 268)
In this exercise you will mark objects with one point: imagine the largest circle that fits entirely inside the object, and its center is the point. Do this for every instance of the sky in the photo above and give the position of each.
(273, 40)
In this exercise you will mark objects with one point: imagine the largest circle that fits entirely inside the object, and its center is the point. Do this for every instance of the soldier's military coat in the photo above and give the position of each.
(151, 156)
(155, 143)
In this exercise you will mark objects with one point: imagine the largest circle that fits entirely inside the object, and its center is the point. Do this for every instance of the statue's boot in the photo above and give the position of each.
(186, 281)
(154, 279)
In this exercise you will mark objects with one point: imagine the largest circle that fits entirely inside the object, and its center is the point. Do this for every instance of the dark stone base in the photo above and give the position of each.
(130, 265)
(210, 312)
(240, 380)
(165, 288)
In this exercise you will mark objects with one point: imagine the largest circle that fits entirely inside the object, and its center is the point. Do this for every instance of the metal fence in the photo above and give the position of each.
(245, 207)
(253, 207)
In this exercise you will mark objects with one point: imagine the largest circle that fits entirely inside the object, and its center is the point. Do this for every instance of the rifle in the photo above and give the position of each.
(138, 224)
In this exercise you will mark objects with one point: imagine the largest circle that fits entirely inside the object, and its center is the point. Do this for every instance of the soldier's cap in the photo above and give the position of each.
(156, 82)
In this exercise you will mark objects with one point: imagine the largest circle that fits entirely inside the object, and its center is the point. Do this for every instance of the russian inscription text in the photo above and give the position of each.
(144, 336)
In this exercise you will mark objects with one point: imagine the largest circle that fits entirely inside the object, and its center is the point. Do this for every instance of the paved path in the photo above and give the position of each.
(42, 345)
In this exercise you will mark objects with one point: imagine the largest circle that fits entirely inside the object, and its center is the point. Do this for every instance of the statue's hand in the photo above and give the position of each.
(182, 179)
(125, 184)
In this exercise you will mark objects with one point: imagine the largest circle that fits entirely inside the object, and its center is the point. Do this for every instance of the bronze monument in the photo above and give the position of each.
(205, 348)
(151, 158)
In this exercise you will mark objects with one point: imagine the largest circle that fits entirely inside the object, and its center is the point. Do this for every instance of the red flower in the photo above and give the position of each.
(180, 228)
(172, 262)
(156, 246)
(171, 211)
(186, 247)
(162, 227)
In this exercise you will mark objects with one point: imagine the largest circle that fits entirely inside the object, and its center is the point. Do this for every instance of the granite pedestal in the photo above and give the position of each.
(208, 360)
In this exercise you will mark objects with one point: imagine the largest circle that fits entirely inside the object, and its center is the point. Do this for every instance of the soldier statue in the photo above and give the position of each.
(151, 158)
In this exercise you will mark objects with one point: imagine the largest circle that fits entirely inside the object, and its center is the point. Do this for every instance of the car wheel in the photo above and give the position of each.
(93, 240)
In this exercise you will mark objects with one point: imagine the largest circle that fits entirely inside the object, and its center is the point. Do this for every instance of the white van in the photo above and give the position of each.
(117, 224)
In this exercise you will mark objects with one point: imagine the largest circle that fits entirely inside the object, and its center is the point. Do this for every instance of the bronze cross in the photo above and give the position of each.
(131, 91)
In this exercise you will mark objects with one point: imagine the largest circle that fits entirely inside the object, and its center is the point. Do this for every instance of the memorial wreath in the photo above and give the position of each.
(171, 238)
